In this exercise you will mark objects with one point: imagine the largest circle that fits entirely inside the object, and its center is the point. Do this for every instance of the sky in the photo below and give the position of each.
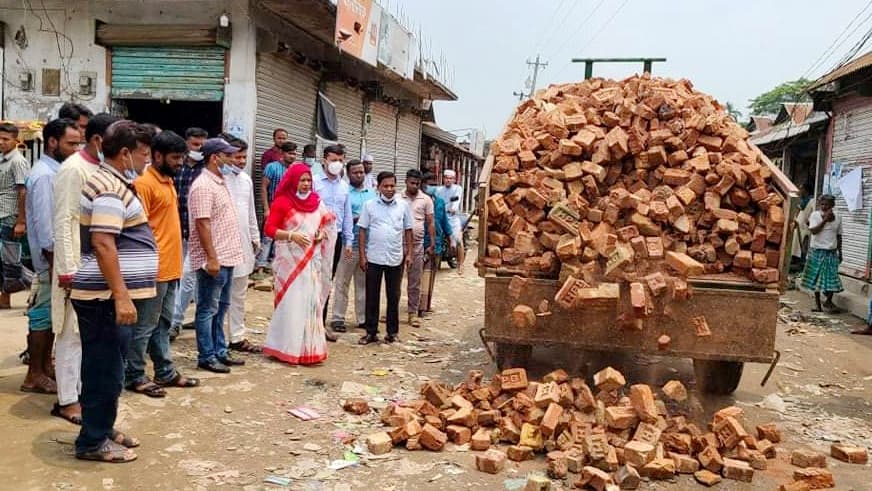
(731, 49)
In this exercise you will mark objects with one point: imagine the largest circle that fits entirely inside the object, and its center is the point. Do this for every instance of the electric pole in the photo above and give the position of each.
(531, 82)
(536, 64)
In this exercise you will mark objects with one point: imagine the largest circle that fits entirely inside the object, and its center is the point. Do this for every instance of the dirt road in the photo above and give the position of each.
(235, 431)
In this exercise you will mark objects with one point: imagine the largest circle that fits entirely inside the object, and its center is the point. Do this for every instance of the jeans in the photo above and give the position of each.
(104, 345)
(393, 280)
(151, 333)
(213, 298)
(186, 290)
(349, 269)
(265, 256)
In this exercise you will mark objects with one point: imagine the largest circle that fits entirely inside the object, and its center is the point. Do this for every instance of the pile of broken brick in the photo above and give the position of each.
(609, 440)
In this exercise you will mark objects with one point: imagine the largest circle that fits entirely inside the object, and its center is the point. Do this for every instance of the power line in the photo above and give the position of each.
(576, 30)
(854, 50)
(540, 36)
(559, 27)
(831, 49)
(598, 32)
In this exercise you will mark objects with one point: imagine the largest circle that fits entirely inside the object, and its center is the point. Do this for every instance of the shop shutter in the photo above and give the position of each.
(349, 113)
(408, 143)
(194, 73)
(286, 98)
(381, 136)
(851, 135)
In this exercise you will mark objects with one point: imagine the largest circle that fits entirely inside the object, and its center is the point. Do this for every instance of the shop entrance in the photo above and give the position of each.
(177, 116)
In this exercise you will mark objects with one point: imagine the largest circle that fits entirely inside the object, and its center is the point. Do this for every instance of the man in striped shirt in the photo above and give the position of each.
(119, 269)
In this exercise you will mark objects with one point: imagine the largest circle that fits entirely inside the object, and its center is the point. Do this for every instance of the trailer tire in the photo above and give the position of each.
(717, 376)
(513, 355)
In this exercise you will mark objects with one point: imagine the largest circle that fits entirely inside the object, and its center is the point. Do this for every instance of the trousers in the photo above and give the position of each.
(236, 311)
(393, 276)
(348, 270)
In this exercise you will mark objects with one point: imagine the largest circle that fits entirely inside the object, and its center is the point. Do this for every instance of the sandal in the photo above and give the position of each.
(245, 347)
(179, 381)
(122, 439)
(109, 452)
(76, 419)
(43, 385)
(863, 332)
(149, 388)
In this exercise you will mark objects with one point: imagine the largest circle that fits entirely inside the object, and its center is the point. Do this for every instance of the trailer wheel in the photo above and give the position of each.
(716, 376)
(513, 355)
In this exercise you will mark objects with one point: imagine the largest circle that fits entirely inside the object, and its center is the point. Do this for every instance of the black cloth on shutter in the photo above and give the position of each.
(327, 124)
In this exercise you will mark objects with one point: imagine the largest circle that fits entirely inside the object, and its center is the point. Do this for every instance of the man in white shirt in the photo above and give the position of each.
(821, 271)
(452, 194)
(369, 180)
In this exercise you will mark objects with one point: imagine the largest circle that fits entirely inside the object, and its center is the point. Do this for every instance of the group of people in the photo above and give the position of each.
(127, 224)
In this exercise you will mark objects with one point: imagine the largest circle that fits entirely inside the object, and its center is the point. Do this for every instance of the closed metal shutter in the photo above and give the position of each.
(193, 73)
(408, 143)
(349, 115)
(286, 98)
(851, 136)
(381, 136)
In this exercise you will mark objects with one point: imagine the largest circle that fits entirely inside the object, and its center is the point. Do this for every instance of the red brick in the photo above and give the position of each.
(851, 454)
(379, 443)
(815, 477)
(808, 458)
(481, 440)
(514, 379)
(432, 439)
(491, 461)
(519, 453)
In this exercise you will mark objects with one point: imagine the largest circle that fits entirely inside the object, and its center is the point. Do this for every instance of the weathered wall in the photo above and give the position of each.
(74, 21)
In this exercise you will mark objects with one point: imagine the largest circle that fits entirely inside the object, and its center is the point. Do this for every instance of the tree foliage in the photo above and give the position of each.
(733, 111)
(770, 102)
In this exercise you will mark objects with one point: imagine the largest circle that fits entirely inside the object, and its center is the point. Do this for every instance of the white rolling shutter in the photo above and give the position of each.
(286, 98)
(381, 136)
(408, 143)
(851, 148)
(349, 115)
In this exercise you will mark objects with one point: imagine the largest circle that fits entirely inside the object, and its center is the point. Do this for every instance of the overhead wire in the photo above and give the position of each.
(556, 30)
(540, 36)
(593, 38)
(576, 30)
(832, 47)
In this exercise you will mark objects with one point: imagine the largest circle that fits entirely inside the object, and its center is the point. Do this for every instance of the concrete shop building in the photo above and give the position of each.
(846, 94)
(246, 67)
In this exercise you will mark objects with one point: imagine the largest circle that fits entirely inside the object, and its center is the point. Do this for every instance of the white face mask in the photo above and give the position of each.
(335, 167)
(195, 156)
(303, 195)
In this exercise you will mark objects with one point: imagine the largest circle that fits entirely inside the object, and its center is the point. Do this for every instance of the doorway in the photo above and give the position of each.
(173, 115)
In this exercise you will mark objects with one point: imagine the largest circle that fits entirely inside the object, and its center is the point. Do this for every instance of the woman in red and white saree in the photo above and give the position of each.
(304, 242)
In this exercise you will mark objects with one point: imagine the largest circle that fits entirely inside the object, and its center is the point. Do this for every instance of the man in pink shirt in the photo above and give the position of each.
(215, 248)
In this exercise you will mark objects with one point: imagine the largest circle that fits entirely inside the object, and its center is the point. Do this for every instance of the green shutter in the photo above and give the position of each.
(177, 73)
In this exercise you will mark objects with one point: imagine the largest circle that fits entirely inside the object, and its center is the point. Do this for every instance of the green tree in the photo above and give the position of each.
(770, 102)
(733, 112)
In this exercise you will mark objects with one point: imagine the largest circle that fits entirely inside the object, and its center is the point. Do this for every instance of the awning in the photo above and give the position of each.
(789, 130)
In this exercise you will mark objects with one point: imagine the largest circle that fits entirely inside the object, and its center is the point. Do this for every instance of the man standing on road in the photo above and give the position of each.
(13, 172)
(190, 171)
(385, 243)
(275, 152)
(61, 138)
(119, 267)
(421, 207)
(215, 249)
(68, 185)
(334, 192)
(78, 113)
(311, 159)
(451, 193)
(272, 176)
(443, 230)
(369, 181)
(242, 191)
(349, 267)
(150, 333)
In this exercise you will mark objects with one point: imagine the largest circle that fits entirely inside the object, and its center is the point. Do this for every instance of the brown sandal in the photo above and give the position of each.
(179, 381)
(149, 388)
(110, 452)
(126, 441)
(43, 385)
(245, 346)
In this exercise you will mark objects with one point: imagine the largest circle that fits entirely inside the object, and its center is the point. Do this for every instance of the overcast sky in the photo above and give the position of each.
(734, 50)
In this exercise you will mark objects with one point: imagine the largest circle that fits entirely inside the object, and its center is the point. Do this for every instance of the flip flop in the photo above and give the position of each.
(56, 412)
(863, 332)
(110, 452)
(43, 386)
(122, 439)
(150, 389)
(179, 381)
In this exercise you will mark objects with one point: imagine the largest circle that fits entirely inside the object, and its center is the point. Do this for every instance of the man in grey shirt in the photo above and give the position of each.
(13, 173)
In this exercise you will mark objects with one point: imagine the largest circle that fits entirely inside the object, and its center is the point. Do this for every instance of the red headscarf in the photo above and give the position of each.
(291, 182)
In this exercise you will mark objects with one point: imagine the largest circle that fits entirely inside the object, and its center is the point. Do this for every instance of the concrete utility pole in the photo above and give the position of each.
(536, 64)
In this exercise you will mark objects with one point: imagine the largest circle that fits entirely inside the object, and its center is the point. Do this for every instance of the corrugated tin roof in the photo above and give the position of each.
(789, 129)
(437, 133)
(797, 111)
(853, 66)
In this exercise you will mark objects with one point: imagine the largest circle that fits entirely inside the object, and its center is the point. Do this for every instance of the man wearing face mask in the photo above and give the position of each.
(215, 249)
(119, 268)
(68, 185)
(242, 190)
(310, 157)
(194, 163)
(61, 138)
(150, 334)
(334, 192)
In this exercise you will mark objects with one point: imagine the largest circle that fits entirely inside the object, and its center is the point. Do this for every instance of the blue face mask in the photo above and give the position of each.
(130, 174)
(227, 170)
(100, 155)
(310, 160)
